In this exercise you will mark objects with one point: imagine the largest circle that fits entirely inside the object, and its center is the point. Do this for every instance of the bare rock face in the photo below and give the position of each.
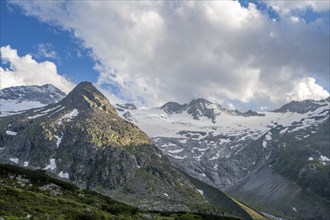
(82, 139)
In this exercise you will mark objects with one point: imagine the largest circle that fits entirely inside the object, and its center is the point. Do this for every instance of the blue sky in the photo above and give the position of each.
(246, 54)
(26, 33)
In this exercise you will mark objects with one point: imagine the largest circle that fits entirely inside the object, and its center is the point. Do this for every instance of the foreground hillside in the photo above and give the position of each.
(27, 194)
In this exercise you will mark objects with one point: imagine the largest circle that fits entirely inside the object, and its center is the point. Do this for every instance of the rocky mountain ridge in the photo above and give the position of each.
(201, 107)
(303, 106)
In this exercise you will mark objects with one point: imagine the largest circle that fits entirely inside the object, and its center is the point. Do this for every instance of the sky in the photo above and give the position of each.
(248, 54)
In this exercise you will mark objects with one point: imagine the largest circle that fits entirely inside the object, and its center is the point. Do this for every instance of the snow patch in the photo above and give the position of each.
(294, 209)
(264, 143)
(52, 165)
(183, 141)
(51, 109)
(13, 133)
(268, 136)
(165, 194)
(311, 159)
(58, 110)
(35, 116)
(59, 140)
(177, 157)
(169, 145)
(200, 191)
(15, 160)
(63, 175)
(216, 156)
(69, 116)
(200, 149)
(284, 130)
(175, 151)
(26, 163)
(324, 158)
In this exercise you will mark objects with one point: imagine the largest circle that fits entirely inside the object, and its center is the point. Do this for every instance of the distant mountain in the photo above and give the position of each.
(201, 107)
(173, 108)
(126, 106)
(283, 152)
(302, 106)
(16, 99)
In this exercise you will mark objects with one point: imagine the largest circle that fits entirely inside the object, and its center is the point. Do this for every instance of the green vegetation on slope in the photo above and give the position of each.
(27, 194)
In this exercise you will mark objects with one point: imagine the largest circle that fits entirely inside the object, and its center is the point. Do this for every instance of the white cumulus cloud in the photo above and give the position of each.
(286, 7)
(307, 89)
(24, 70)
(155, 52)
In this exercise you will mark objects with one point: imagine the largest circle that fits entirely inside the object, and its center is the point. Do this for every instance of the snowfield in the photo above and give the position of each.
(155, 124)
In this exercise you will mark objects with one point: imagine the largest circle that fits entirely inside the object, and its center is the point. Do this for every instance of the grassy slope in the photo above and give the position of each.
(22, 195)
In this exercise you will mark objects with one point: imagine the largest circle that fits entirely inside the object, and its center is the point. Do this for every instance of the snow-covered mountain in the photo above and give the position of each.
(303, 106)
(16, 99)
(225, 148)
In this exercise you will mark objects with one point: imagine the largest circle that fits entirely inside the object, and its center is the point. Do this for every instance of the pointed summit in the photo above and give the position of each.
(199, 101)
(86, 97)
(173, 107)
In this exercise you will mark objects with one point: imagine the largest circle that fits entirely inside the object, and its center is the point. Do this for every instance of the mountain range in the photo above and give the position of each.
(82, 139)
(277, 162)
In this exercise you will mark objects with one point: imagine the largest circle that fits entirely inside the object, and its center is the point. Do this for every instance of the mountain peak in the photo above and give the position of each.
(173, 107)
(86, 96)
(84, 86)
(199, 100)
